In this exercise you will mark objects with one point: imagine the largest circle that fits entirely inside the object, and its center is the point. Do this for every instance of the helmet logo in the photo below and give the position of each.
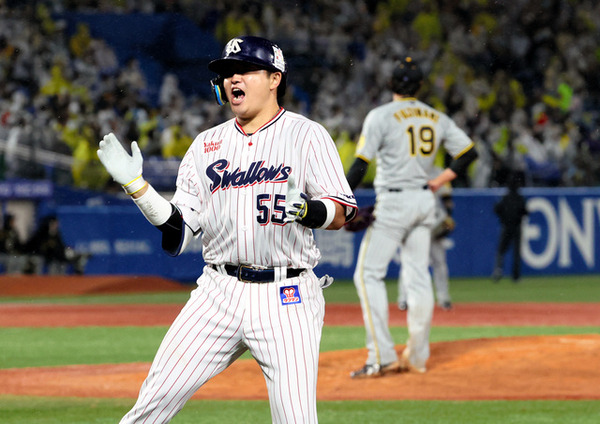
(233, 46)
(278, 60)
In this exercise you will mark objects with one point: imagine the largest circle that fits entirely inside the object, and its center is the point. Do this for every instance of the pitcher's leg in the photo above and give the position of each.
(415, 272)
(439, 267)
(402, 305)
(376, 252)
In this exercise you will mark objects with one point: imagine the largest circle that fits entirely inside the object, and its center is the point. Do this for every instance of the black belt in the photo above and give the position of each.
(251, 274)
(425, 187)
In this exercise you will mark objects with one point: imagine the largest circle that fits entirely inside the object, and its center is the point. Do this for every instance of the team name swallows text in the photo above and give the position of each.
(255, 174)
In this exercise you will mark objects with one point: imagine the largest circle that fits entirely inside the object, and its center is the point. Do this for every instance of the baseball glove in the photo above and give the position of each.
(444, 228)
(364, 217)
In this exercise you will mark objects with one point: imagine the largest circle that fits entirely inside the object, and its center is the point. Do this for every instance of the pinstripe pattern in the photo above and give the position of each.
(202, 342)
(224, 318)
(285, 342)
(300, 147)
(232, 186)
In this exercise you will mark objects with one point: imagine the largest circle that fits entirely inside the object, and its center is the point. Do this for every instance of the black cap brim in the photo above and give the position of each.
(228, 65)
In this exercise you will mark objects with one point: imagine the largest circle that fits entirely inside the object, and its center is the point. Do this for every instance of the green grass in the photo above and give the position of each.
(30, 347)
(578, 288)
(37, 347)
(30, 410)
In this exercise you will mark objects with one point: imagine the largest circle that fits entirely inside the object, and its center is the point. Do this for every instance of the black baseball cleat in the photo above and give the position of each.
(376, 370)
(446, 306)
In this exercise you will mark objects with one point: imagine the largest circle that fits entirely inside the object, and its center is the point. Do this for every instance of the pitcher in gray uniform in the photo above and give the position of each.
(404, 136)
(444, 225)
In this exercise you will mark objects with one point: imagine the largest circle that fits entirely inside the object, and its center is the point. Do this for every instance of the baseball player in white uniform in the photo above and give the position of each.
(444, 225)
(254, 188)
(404, 136)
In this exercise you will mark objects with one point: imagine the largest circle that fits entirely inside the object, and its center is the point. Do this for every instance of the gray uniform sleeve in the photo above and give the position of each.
(456, 141)
(370, 138)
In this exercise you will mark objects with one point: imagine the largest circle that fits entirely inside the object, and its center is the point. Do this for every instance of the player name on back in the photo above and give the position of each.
(416, 112)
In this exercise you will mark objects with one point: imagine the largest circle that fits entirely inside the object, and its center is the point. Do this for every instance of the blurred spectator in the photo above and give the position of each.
(238, 21)
(80, 42)
(170, 94)
(521, 78)
(175, 142)
(48, 252)
(11, 248)
(511, 210)
(57, 84)
(132, 78)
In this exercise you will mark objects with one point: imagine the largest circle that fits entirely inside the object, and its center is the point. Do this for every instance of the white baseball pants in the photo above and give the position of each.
(225, 317)
(439, 268)
(402, 219)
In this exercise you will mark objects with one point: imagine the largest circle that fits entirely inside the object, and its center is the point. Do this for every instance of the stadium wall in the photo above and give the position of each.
(560, 236)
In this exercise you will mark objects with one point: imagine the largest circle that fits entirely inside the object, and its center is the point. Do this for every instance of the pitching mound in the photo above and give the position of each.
(504, 368)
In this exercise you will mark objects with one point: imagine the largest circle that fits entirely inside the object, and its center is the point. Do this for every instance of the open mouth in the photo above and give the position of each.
(238, 94)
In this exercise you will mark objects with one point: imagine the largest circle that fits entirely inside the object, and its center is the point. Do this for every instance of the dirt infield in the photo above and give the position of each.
(506, 368)
(468, 314)
(559, 367)
(41, 285)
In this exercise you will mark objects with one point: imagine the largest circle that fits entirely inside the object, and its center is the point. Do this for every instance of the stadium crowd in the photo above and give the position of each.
(521, 77)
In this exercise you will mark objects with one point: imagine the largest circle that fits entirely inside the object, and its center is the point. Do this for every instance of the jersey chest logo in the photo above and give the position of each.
(212, 146)
(256, 173)
(289, 295)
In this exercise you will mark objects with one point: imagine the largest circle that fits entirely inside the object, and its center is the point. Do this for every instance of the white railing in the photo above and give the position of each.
(37, 155)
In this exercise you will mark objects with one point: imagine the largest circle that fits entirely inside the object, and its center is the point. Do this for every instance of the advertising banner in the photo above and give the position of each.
(561, 235)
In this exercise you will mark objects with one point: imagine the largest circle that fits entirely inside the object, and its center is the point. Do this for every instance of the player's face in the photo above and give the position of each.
(251, 91)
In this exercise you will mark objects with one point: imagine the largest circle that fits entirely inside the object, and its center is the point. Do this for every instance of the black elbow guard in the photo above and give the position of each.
(461, 163)
(357, 172)
(172, 232)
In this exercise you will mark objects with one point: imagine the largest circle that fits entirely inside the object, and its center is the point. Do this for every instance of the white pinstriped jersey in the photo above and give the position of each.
(232, 187)
(404, 136)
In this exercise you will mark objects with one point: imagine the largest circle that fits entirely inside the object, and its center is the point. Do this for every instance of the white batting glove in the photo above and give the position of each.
(125, 169)
(295, 202)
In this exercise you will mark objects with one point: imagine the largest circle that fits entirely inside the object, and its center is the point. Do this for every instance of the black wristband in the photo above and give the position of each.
(316, 214)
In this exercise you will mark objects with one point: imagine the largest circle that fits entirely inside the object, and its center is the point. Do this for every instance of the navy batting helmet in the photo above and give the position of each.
(247, 50)
(406, 77)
